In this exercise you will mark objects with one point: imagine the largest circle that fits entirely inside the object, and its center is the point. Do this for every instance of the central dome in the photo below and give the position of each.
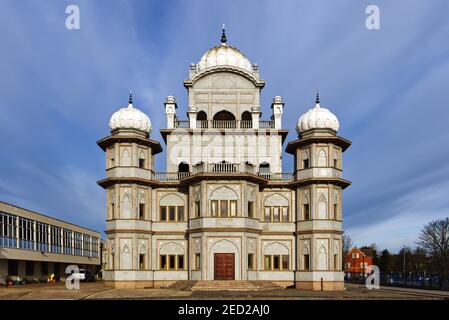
(224, 55)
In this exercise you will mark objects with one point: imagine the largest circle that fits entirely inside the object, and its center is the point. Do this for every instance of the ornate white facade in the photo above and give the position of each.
(224, 209)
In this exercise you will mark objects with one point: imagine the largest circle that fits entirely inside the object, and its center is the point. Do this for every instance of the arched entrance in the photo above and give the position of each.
(224, 120)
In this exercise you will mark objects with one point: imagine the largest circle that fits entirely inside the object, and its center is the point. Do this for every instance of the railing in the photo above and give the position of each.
(224, 124)
(170, 176)
(246, 124)
(269, 124)
(222, 168)
(282, 176)
(183, 124)
(202, 124)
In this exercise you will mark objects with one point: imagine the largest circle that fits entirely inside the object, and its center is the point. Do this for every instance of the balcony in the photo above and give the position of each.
(223, 167)
(201, 168)
(170, 176)
(223, 124)
(231, 222)
(325, 172)
(182, 124)
(266, 124)
(282, 176)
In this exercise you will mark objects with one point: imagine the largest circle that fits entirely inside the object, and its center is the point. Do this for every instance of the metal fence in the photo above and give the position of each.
(417, 280)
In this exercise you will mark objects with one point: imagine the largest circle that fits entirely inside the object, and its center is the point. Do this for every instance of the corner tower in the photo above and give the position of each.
(318, 183)
(128, 184)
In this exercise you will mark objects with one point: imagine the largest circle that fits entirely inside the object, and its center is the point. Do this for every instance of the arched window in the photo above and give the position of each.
(201, 120)
(223, 202)
(224, 120)
(201, 116)
(247, 120)
(142, 159)
(183, 167)
(224, 115)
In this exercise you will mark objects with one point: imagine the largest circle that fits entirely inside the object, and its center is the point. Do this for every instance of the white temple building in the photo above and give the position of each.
(224, 209)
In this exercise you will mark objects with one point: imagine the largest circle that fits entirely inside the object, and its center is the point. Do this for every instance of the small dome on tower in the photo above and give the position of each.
(317, 118)
(130, 118)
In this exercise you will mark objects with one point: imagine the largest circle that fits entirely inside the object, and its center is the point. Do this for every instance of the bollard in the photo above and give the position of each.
(322, 285)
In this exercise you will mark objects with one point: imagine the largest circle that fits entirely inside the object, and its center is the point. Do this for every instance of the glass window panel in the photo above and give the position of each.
(285, 214)
(197, 209)
(306, 211)
(250, 261)
(250, 209)
(276, 214)
(276, 263)
(142, 211)
(214, 208)
(171, 262)
(223, 208)
(285, 262)
(306, 262)
(233, 209)
(267, 214)
(163, 213)
(171, 213)
(197, 261)
(180, 262)
(141, 262)
(180, 213)
(267, 263)
(163, 265)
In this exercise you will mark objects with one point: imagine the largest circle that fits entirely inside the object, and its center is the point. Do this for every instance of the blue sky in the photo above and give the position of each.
(388, 87)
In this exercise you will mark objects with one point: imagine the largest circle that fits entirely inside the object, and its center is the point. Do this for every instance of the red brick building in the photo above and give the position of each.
(357, 262)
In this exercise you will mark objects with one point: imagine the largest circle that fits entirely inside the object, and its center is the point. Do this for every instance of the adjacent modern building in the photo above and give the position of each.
(224, 209)
(33, 245)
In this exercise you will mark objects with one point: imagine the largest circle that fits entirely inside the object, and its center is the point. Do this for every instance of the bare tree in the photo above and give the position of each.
(346, 244)
(434, 239)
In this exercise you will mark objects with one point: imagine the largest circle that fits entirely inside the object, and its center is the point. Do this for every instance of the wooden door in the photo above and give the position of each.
(224, 266)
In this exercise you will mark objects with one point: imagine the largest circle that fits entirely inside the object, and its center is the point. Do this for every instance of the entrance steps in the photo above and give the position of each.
(222, 285)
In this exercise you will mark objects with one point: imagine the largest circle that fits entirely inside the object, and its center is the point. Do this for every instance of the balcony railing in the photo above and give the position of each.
(224, 124)
(170, 176)
(246, 124)
(223, 167)
(202, 124)
(183, 124)
(269, 124)
(283, 176)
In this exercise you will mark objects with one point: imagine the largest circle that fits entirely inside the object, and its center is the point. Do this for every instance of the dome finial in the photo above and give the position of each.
(223, 35)
(130, 100)
(317, 100)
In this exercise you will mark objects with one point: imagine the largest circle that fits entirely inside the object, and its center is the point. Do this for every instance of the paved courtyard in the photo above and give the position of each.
(98, 290)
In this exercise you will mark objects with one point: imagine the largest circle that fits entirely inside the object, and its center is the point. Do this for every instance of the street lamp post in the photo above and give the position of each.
(403, 267)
